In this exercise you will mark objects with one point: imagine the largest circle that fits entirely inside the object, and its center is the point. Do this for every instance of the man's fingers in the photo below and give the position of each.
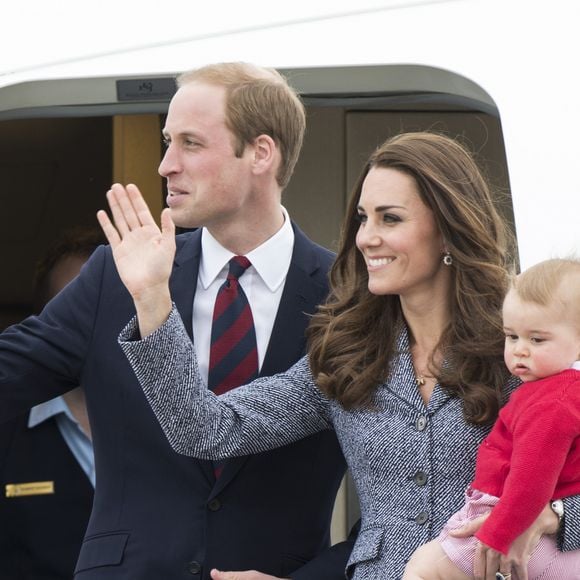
(167, 225)
(125, 209)
(117, 213)
(246, 575)
(128, 209)
(108, 228)
(218, 575)
(139, 205)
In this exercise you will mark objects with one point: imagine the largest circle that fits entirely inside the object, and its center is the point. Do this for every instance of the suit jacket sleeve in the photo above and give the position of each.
(44, 356)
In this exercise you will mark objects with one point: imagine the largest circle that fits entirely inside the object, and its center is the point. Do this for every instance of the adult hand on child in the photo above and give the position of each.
(487, 561)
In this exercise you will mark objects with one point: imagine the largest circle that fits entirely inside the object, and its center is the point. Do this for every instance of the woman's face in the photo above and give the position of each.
(398, 237)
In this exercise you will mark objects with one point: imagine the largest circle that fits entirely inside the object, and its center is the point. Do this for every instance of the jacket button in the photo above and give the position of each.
(420, 478)
(421, 518)
(214, 505)
(421, 423)
(194, 567)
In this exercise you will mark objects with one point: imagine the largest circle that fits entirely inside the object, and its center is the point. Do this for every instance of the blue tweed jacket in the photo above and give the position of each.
(411, 463)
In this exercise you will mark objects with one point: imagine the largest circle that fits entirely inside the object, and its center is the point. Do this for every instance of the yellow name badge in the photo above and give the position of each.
(33, 488)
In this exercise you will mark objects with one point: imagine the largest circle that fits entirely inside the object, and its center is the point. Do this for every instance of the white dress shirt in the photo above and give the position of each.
(263, 283)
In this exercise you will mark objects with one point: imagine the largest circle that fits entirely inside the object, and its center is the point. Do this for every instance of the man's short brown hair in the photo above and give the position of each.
(259, 101)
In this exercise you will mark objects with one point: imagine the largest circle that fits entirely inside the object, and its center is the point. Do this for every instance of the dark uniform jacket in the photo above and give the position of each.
(40, 532)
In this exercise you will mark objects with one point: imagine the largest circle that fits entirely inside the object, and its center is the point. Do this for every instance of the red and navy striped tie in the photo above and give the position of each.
(233, 357)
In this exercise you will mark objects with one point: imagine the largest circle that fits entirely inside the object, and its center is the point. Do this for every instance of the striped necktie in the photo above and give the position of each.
(233, 357)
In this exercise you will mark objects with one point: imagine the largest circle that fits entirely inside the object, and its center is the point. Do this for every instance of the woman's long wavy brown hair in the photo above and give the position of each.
(352, 338)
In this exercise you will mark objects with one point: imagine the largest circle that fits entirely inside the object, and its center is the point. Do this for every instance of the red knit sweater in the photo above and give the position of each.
(531, 456)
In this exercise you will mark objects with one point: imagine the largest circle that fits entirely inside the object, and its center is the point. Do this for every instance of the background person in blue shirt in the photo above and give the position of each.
(47, 471)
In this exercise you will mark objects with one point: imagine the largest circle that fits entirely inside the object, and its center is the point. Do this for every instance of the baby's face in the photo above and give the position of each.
(540, 340)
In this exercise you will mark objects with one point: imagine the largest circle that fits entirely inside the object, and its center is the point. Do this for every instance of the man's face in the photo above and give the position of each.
(207, 184)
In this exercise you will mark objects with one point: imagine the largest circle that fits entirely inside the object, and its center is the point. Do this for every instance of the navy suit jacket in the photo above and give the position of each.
(156, 514)
(40, 534)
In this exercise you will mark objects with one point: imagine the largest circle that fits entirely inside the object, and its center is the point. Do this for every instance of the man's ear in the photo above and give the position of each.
(265, 154)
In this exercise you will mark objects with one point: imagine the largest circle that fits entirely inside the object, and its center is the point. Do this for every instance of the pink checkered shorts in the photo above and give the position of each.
(546, 561)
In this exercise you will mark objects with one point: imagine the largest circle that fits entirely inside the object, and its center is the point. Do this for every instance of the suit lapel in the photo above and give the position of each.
(402, 380)
(302, 294)
(403, 383)
(183, 279)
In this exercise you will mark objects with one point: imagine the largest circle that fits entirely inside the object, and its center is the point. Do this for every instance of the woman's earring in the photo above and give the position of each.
(447, 259)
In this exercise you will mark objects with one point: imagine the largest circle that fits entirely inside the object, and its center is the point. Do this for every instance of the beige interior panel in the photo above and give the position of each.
(315, 194)
(136, 156)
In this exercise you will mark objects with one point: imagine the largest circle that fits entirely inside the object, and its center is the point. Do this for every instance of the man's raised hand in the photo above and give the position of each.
(143, 253)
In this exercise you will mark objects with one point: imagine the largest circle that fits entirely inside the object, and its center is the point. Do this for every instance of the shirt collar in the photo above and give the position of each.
(48, 409)
(270, 260)
(576, 365)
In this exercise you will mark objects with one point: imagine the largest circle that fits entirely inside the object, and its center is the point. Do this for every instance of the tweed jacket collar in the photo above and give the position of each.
(402, 381)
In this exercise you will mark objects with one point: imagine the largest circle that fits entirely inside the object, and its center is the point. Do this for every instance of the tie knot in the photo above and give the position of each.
(238, 265)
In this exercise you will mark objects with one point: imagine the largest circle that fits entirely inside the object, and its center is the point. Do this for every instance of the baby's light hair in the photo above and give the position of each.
(551, 280)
